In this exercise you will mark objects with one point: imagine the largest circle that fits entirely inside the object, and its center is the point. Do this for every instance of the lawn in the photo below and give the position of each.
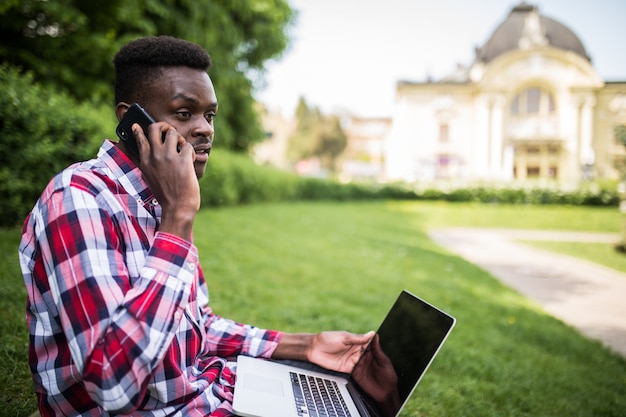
(580, 219)
(601, 253)
(314, 266)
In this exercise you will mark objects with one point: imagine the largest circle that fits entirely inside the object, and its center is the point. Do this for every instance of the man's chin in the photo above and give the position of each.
(200, 169)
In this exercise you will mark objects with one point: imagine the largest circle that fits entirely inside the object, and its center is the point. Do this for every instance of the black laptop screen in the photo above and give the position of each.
(405, 345)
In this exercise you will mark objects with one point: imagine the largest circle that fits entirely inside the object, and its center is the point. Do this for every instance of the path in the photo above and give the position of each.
(590, 297)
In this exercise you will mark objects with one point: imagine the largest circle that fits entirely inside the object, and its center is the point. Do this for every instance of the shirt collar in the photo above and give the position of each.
(126, 172)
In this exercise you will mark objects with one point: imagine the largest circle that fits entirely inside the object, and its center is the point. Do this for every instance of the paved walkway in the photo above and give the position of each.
(590, 297)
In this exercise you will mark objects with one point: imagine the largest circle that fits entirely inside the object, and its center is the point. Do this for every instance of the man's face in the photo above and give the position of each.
(185, 98)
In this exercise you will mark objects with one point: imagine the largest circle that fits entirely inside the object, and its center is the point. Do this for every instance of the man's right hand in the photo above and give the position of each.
(170, 174)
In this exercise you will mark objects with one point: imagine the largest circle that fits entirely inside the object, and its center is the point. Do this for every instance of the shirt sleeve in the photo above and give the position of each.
(117, 331)
(227, 338)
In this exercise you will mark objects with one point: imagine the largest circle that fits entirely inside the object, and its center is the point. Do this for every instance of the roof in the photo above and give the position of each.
(525, 28)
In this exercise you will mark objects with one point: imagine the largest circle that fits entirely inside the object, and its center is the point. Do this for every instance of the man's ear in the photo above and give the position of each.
(120, 110)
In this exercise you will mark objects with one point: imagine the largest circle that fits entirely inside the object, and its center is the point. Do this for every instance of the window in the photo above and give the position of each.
(444, 130)
(553, 172)
(533, 97)
(532, 150)
(532, 172)
(533, 101)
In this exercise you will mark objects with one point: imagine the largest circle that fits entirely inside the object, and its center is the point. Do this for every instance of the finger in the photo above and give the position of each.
(366, 338)
(181, 142)
(175, 141)
(141, 139)
(375, 346)
(186, 150)
(170, 139)
(156, 132)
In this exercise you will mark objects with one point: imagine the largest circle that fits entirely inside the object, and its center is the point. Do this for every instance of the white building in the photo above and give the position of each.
(531, 105)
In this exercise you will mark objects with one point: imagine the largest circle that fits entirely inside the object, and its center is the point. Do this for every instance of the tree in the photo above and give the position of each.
(70, 44)
(240, 35)
(301, 143)
(316, 135)
(332, 142)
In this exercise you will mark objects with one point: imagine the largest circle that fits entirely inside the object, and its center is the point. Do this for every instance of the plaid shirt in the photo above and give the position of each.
(118, 312)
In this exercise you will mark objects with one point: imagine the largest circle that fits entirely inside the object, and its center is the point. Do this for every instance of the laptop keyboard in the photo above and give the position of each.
(317, 397)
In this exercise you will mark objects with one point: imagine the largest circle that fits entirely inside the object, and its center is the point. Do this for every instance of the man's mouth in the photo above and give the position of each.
(203, 148)
(202, 151)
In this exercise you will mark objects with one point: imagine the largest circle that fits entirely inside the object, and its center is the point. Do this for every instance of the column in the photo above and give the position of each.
(495, 137)
(481, 139)
(586, 154)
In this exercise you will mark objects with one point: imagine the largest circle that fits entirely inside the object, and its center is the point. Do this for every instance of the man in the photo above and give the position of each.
(117, 301)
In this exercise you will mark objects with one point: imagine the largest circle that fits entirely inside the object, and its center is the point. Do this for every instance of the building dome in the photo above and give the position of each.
(525, 28)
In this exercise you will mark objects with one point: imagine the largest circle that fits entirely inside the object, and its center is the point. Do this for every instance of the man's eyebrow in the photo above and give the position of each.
(191, 99)
(184, 97)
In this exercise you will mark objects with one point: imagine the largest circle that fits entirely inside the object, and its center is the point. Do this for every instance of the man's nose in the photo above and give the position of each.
(204, 127)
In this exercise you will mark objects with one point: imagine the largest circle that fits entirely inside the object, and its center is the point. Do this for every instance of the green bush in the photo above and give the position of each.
(233, 179)
(589, 195)
(41, 132)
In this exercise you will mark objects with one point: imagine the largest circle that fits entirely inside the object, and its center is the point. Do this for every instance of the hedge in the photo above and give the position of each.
(234, 179)
(41, 132)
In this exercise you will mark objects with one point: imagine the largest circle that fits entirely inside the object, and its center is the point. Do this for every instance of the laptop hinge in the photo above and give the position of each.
(364, 409)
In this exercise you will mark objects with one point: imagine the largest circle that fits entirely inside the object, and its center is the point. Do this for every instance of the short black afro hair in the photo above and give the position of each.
(139, 63)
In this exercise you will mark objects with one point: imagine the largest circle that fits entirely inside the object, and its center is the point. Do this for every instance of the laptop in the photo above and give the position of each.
(381, 383)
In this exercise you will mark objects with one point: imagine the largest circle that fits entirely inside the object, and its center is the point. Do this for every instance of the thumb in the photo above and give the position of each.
(367, 337)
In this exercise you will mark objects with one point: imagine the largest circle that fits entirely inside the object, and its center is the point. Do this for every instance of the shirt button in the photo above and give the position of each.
(155, 202)
(192, 267)
(177, 315)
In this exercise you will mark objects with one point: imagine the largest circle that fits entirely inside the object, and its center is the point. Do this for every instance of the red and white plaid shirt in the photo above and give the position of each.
(117, 311)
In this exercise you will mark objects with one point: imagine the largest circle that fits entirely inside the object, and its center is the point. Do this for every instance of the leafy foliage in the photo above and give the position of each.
(233, 179)
(66, 43)
(70, 44)
(41, 132)
(316, 136)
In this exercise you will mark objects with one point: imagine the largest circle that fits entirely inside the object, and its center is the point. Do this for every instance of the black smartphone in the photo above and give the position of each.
(134, 114)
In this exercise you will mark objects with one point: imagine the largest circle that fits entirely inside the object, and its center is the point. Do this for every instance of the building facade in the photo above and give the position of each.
(364, 154)
(530, 106)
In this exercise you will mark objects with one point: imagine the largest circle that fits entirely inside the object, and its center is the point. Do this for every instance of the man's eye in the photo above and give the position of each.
(184, 114)
(209, 117)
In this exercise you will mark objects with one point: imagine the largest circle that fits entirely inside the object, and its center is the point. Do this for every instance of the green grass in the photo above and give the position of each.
(601, 253)
(315, 266)
(580, 219)
(16, 390)
(549, 217)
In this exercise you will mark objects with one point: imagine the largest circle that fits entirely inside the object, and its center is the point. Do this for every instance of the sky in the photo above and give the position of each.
(348, 55)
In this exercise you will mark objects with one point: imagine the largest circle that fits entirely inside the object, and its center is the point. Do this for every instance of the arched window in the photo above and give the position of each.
(533, 101)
